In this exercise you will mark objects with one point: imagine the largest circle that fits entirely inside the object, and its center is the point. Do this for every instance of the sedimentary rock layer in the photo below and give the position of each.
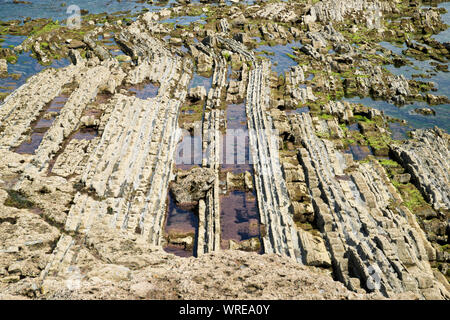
(373, 243)
(127, 174)
(331, 10)
(273, 201)
(426, 158)
(23, 106)
(93, 80)
(209, 209)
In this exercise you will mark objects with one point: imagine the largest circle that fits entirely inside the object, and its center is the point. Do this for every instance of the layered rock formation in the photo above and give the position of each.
(426, 158)
(89, 205)
(372, 244)
(281, 236)
(209, 208)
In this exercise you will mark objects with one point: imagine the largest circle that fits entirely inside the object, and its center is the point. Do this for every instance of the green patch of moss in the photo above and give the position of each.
(18, 200)
(291, 56)
(388, 163)
(3, 95)
(196, 11)
(226, 55)
(380, 143)
(358, 117)
(323, 135)
(412, 198)
(326, 116)
(11, 59)
(446, 248)
(46, 29)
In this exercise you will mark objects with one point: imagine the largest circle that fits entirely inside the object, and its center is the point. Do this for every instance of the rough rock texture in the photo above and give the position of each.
(373, 244)
(123, 175)
(332, 10)
(23, 105)
(299, 93)
(197, 93)
(226, 275)
(3, 66)
(74, 157)
(26, 244)
(191, 186)
(209, 209)
(84, 215)
(270, 186)
(283, 12)
(426, 158)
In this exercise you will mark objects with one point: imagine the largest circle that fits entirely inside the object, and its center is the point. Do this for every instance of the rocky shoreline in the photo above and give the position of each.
(344, 210)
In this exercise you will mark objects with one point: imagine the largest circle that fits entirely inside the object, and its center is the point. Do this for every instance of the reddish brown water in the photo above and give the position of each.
(239, 217)
(86, 134)
(235, 151)
(144, 90)
(41, 125)
(180, 222)
(359, 152)
(178, 251)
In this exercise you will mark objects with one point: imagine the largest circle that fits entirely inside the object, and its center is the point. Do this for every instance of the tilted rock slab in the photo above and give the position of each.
(280, 234)
(209, 231)
(336, 10)
(127, 174)
(23, 106)
(273, 201)
(373, 244)
(426, 158)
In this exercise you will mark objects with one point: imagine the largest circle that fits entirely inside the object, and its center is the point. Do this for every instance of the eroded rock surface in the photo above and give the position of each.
(426, 158)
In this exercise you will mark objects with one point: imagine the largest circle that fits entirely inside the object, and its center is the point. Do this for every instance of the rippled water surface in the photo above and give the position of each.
(57, 9)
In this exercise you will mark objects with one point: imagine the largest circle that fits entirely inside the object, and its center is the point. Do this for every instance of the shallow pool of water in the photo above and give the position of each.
(144, 90)
(444, 36)
(55, 10)
(239, 218)
(42, 124)
(236, 150)
(281, 62)
(26, 66)
(189, 151)
(359, 152)
(441, 79)
(185, 20)
(417, 121)
(182, 222)
(198, 80)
